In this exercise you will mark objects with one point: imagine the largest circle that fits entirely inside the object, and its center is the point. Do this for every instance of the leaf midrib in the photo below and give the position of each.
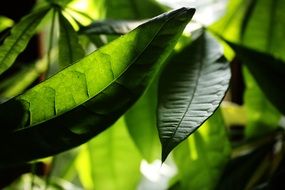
(194, 92)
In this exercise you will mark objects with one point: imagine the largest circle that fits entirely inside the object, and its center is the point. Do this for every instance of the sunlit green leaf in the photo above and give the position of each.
(84, 99)
(201, 158)
(141, 122)
(191, 88)
(129, 9)
(68, 44)
(21, 33)
(110, 161)
(5, 23)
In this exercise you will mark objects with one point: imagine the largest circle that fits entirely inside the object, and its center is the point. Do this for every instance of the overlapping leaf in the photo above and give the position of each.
(128, 9)
(255, 24)
(191, 88)
(268, 71)
(262, 116)
(84, 99)
(203, 156)
(19, 38)
(69, 48)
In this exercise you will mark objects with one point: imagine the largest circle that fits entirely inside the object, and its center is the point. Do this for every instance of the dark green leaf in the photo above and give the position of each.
(5, 23)
(84, 99)
(192, 87)
(21, 33)
(268, 71)
(262, 116)
(255, 24)
(68, 44)
(202, 157)
(110, 27)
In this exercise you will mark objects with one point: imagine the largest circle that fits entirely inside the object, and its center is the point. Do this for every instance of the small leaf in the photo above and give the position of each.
(21, 33)
(84, 99)
(68, 44)
(268, 71)
(5, 23)
(191, 88)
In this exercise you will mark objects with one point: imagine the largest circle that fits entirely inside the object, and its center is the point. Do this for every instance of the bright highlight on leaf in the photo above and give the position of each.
(192, 86)
(84, 99)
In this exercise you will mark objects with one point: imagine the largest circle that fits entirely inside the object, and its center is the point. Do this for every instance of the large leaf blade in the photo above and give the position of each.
(190, 92)
(76, 112)
(19, 38)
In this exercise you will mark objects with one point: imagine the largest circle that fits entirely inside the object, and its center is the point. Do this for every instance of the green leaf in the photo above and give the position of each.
(268, 71)
(21, 33)
(141, 122)
(190, 91)
(17, 83)
(110, 161)
(5, 23)
(68, 43)
(129, 9)
(258, 24)
(110, 27)
(201, 158)
(262, 116)
(84, 99)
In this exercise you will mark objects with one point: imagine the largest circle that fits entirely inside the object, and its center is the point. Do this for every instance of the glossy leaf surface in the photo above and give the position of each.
(84, 99)
(191, 88)
(20, 35)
